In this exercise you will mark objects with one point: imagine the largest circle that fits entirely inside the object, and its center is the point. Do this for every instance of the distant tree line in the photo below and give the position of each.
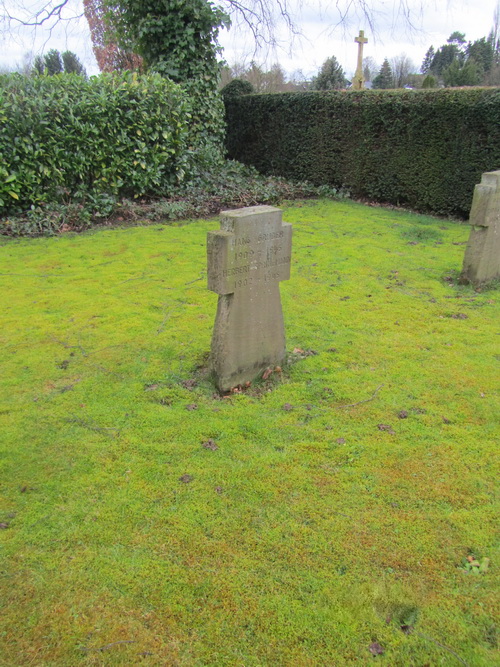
(264, 80)
(462, 63)
(50, 63)
(55, 62)
(397, 73)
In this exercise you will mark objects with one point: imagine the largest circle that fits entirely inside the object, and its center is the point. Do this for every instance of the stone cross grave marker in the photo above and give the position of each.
(482, 254)
(358, 81)
(247, 259)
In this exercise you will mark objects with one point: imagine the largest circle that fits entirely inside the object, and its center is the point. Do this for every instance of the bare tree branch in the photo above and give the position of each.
(262, 19)
(48, 14)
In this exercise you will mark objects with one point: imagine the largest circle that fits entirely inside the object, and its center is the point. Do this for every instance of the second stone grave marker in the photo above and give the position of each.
(482, 255)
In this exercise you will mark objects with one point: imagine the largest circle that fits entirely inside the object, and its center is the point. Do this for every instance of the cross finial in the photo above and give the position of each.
(358, 82)
(361, 39)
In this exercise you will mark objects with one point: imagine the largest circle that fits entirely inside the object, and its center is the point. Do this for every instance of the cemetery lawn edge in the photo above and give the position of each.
(340, 512)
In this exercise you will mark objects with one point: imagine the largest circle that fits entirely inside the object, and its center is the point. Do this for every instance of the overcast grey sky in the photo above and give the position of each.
(392, 35)
(321, 39)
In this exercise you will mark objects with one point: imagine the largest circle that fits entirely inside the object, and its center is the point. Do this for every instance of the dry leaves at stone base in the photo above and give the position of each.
(210, 444)
(475, 566)
(304, 353)
(376, 649)
(267, 373)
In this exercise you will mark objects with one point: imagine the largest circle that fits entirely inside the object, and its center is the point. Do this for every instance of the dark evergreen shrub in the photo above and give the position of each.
(237, 87)
(423, 149)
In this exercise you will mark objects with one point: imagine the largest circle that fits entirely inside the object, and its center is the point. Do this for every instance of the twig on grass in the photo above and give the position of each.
(106, 646)
(101, 349)
(92, 426)
(141, 277)
(32, 275)
(313, 246)
(430, 639)
(103, 369)
(69, 347)
(163, 323)
(194, 281)
(366, 400)
(111, 261)
(69, 387)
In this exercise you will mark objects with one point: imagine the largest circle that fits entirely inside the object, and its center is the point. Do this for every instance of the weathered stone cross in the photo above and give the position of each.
(358, 81)
(482, 255)
(247, 259)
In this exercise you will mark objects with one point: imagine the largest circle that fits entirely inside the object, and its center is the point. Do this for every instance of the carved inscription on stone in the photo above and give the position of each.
(247, 259)
(238, 262)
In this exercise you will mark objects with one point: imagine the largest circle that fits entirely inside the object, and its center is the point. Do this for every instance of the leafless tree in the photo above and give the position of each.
(260, 17)
(370, 68)
(495, 31)
(48, 13)
(401, 66)
(265, 80)
(23, 67)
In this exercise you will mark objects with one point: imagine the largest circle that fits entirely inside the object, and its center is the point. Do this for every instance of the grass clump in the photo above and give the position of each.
(326, 516)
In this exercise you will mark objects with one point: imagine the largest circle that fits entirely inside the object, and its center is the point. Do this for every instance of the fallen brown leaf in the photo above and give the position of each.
(210, 444)
(376, 649)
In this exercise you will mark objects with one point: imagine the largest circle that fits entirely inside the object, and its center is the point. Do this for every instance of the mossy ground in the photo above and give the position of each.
(315, 531)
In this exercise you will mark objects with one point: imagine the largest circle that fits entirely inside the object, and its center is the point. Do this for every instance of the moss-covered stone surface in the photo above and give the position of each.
(340, 512)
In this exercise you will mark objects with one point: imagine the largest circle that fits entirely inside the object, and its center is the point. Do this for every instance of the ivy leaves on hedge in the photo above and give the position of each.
(178, 39)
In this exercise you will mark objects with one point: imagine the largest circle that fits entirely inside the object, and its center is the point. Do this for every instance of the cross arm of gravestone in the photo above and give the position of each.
(218, 262)
(246, 256)
(485, 209)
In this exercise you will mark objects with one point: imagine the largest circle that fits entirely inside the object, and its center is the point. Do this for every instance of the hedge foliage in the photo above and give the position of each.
(116, 134)
(423, 149)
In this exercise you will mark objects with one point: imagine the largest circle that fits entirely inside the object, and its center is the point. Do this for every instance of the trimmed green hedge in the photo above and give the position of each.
(62, 135)
(423, 149)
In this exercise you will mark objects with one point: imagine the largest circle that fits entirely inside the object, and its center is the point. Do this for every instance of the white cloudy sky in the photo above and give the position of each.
(316, 19)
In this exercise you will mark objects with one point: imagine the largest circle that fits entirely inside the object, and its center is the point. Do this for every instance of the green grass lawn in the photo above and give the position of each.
(335, 518)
